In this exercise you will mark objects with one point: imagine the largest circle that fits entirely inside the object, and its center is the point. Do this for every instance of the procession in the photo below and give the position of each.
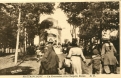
(59, 38)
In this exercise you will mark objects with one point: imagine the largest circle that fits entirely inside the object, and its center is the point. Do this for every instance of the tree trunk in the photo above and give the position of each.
(17, 44)
(25, 42)
(75, 31)
(71, 30)
(18, 32)
(100, 33)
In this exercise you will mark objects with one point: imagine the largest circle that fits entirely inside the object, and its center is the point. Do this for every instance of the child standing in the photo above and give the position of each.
(96, 60)
(96, 64)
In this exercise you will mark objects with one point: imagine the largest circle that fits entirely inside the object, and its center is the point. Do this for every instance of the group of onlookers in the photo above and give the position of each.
(103, 59)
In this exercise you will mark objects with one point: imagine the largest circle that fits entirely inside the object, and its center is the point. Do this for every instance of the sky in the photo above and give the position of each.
(61, 18)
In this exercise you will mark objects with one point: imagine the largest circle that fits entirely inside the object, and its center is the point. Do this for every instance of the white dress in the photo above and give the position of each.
(75, 54)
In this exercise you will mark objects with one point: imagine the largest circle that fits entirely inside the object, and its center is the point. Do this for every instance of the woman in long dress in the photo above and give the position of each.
(109, 60)
(75, 54)
(50, 61)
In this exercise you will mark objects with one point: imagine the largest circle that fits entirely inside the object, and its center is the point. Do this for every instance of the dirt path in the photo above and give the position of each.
(29, 65)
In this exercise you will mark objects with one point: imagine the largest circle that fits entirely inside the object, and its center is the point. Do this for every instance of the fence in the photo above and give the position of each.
(10, 50)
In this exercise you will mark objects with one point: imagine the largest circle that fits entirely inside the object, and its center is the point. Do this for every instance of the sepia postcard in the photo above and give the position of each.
(60, 39)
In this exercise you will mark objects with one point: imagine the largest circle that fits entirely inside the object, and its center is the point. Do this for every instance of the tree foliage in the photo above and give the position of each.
(92, 17)
(30, 14)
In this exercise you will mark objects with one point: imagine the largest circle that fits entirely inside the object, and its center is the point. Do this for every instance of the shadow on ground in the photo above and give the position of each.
(30, 58)
(5, 54)
(16, 70)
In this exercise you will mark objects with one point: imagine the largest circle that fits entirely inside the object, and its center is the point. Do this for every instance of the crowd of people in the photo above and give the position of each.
(103, 59)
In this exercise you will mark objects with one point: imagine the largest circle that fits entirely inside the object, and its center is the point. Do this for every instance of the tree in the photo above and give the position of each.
(7, 31)
(72, 10)
(92, 17)
(102, 15)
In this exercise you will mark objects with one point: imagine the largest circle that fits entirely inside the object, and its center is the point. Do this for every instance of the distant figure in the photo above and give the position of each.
(86, 50)
(50, 61)
(109, 60)
(66, 47)
(75, 54)
(39, 53)
(95, 49)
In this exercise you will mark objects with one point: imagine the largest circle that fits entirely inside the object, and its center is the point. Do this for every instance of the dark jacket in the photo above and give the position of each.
(50, 60)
